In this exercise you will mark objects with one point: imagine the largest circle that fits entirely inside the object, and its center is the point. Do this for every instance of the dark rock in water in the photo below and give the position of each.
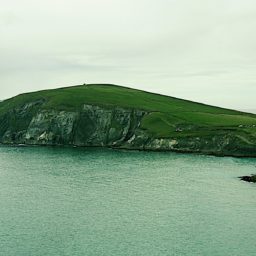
(251, 178)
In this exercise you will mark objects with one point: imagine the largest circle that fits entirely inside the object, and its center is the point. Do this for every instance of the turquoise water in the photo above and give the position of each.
(65, 201)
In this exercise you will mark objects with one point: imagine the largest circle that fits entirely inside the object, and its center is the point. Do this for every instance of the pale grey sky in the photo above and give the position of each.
(203, 50)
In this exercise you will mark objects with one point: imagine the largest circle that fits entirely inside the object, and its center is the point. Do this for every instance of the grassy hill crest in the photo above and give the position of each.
(167, 115)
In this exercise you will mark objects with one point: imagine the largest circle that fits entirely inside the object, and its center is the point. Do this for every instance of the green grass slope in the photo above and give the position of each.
(166, 113)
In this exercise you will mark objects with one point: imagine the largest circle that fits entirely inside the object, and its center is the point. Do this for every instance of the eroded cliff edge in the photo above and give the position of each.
(110, 126)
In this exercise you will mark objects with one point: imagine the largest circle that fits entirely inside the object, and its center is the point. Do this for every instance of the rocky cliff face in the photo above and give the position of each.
(107, 127)
(92, 126)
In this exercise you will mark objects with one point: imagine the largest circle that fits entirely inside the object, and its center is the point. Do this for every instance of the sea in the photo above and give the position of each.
(90, 201)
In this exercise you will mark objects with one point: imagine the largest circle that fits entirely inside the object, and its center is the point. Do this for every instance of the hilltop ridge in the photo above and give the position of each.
(113, 116)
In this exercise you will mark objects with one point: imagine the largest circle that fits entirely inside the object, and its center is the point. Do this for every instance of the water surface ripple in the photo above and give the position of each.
(70, 202)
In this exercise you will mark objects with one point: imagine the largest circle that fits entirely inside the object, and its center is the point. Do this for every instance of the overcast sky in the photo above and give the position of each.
(203, 50)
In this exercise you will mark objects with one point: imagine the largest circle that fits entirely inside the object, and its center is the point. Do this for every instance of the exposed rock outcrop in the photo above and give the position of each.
(92, 126)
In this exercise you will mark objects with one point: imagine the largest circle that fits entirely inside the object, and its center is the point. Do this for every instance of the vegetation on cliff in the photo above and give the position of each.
(162, 118)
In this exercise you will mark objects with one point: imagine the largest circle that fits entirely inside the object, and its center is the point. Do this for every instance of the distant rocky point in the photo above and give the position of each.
(105, 115)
